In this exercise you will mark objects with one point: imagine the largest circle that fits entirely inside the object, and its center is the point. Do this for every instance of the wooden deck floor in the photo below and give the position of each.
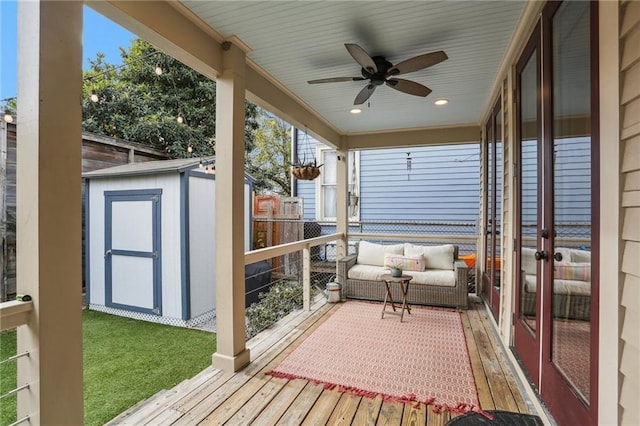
(251, 397)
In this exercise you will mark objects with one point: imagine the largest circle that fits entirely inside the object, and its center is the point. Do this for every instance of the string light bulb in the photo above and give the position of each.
(189, 149)
(201, 164)
(8, 117)
(94, 96)
(158, 69)
(180, 118)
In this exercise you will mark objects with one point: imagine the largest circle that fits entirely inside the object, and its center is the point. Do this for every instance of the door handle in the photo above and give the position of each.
(557, 256)
(542, 255)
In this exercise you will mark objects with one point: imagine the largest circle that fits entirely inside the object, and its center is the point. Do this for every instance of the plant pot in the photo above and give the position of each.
(305, 172)
(396, 273)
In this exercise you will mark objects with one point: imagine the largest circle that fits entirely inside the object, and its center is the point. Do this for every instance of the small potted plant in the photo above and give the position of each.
(396, 270)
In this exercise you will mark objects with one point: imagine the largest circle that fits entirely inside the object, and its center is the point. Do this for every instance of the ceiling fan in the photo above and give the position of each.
(380, 71)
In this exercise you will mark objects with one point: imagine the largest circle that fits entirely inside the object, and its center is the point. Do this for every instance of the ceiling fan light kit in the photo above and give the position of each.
(379, 71)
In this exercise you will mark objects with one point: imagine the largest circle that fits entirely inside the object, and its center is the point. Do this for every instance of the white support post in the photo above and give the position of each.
(306, 278)
(49, 223)
(342, 199)
(232, 354)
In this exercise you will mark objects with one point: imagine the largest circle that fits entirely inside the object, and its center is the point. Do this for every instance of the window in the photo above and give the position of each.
(326, 189)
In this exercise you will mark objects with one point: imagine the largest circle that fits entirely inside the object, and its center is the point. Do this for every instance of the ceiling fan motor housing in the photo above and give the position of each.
(378, 78)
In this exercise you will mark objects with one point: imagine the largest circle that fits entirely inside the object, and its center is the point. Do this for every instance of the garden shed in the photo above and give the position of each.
(150, 240)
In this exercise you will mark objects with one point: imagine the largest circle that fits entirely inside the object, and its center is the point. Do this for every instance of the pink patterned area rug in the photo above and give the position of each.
(423, 359)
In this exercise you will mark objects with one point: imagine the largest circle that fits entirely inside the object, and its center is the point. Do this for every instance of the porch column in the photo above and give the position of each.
(49, 209)
(342, 200)
(231, 353)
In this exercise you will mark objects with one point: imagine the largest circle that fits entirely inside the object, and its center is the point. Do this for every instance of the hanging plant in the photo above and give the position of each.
(308, 171)
(305, 170)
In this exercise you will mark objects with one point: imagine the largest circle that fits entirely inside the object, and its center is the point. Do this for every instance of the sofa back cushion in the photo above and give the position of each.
(373, 254)
(435, 257)
(406, 263)
(529, 263)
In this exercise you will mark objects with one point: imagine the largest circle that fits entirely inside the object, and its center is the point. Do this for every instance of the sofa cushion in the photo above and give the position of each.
(433, 277)
(373, 254)
(566, 287)
(406, 263)
(435, 257)
(572, 271)
(529, 263)
(580, 256)
(366, 272)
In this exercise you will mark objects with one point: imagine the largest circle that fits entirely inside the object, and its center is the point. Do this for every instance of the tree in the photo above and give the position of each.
(270, 160)
(138, 104)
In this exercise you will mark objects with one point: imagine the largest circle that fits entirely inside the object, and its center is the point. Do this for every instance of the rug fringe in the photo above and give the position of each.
(410, 399)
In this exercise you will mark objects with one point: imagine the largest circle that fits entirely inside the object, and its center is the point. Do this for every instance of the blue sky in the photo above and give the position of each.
(99, 35)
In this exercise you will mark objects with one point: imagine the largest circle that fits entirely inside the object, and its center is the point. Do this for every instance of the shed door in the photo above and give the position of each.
(132, 250)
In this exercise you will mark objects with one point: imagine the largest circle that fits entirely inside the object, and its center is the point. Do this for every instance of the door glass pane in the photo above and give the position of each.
(490, 215)
(572, 195)
(529, 194)
(497, 264)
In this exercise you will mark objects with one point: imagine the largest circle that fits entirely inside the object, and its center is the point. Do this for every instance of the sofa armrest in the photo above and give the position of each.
(461, 271)
(343, 267)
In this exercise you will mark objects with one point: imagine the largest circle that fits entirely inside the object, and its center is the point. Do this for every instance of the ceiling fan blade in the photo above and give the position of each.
(364, 94)
(410, 87)
(335, 80)
(417, 63)
(361, 57)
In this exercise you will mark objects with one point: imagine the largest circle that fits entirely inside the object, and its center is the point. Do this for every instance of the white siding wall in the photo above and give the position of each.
(630, 209)
(202, 235)
(170, 235)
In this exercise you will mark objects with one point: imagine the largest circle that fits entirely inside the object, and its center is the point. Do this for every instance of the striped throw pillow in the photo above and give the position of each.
(407, 263)
(573, 271)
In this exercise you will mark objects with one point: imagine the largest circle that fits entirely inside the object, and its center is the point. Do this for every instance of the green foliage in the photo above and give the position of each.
(7, 377)
(281, 299)
(138, 105)
(270, 160)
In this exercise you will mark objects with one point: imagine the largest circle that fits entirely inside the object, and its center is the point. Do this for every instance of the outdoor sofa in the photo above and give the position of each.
(439, 278)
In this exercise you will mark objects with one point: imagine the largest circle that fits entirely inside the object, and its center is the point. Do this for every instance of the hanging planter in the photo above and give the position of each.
(305, 170)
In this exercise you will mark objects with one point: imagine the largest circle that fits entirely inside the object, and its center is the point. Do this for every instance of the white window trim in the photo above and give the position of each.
(320, 150)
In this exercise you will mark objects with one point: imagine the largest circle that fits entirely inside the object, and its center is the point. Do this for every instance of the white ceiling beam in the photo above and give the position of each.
(415, 137)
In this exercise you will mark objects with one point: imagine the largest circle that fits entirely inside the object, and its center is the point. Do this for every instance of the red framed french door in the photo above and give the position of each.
(557, 250)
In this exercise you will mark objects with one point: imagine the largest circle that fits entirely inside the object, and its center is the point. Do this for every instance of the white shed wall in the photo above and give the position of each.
(202, 259)
(170, 235)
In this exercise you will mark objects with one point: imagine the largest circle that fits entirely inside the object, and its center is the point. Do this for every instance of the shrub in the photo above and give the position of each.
(282, 298)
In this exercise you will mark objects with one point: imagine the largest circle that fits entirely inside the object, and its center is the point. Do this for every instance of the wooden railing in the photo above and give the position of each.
(14, 314)
(305, 246)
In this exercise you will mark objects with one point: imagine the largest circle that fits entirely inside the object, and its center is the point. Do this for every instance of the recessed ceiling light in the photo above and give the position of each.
(355, 111)
(441, 102)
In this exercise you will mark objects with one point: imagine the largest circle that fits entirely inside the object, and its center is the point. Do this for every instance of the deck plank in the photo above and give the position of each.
(437, 419)
(500, 391)
(368, 411)
(482, 385)
(390, 413)
(322, 409)
(501, 357)
(298, 410)
(281, 402)
(345, 410)
(415, 416)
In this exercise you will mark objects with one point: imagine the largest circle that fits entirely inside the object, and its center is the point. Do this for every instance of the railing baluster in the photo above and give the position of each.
(306, 278)
(16, 390)
(14, 357)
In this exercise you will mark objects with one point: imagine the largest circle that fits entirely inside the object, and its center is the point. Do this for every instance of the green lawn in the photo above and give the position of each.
(125, 361)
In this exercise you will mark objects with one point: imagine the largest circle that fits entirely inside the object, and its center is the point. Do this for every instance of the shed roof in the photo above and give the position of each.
(150, 167)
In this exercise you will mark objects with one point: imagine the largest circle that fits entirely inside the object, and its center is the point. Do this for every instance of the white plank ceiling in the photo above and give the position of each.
(297, 41)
